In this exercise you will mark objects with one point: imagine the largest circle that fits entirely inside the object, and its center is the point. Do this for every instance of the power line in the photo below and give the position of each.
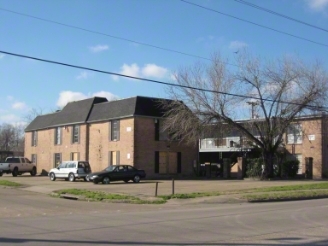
(109, 35)
(152, 80)
(281, 15)
(253, 23)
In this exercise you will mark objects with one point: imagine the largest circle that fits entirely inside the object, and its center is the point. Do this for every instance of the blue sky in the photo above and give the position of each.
(172, 24)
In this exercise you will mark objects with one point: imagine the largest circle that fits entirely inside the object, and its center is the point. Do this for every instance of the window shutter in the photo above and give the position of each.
(117, 158)
(109, 158)
(156, 130)
(156, 161)
(179, 162)
(118, 130)
(110, 131)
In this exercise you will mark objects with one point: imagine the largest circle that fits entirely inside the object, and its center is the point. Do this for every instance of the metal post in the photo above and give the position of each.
(156, 189)
(172, 186)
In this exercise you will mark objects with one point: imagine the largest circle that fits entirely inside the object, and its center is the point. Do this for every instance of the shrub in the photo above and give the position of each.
(254, 168)
(289, 168)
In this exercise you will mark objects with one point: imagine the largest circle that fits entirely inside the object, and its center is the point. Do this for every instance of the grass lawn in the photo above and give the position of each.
(304, 191)
(9, 183)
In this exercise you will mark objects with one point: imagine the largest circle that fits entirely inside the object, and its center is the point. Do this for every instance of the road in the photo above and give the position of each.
(29, 218)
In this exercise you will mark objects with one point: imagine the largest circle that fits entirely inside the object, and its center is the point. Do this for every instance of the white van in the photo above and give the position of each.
(70, 170)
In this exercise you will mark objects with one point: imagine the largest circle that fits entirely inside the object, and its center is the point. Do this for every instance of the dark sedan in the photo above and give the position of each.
(117, 173)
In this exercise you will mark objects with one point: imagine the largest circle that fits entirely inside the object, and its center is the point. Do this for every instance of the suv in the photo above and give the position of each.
(70, 170)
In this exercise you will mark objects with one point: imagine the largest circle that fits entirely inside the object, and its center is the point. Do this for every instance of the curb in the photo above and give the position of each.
(289, 199)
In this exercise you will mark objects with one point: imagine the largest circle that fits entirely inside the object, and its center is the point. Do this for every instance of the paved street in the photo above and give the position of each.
(30, 218)
(147, 187)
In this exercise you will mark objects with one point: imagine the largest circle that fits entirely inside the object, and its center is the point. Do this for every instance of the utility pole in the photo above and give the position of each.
(253, 104)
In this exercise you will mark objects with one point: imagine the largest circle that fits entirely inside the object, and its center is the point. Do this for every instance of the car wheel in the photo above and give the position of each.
(1, 174)
(52, 177)
(33, 172)
(15, 172)
(71, 177)
(106, 180)
(95, 182)
(126, 180)
(136, 179)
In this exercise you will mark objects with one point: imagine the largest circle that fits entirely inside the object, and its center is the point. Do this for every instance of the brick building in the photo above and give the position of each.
(305, 140)
(126, 131)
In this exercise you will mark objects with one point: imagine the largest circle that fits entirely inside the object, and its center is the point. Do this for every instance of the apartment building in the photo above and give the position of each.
(126, 131)
(305, 140)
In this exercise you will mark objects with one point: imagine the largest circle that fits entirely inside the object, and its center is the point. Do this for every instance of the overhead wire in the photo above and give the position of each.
(281, 15)
(253, 23)
(154, 81)
(109, 35)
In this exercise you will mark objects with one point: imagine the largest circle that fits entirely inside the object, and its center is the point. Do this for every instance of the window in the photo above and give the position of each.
(115, 130)
(57, 159)
(294, 134)
(113, 157)
(34, 138)
(75, 156)
(164, 135)
(57, 136)
(76, 134)
(33, 158)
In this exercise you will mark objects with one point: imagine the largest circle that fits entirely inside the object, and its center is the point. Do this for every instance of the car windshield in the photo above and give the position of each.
(110, 168)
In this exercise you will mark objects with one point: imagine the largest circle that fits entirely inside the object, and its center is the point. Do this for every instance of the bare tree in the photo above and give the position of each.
(11, 137)
(278, 91)
(32, 114)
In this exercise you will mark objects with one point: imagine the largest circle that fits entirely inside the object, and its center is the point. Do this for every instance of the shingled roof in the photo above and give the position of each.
(73, 113)
(98, 109)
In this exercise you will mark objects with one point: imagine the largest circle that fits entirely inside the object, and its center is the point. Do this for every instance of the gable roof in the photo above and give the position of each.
(98, 109)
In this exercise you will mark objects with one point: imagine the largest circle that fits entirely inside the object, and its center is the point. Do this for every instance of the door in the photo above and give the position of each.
(173, 162)
(163, 162)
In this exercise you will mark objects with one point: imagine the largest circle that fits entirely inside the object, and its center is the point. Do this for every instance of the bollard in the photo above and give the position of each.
(156, 189)
(172, 186)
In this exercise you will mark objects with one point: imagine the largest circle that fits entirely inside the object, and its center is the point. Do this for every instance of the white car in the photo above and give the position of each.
(70, 170)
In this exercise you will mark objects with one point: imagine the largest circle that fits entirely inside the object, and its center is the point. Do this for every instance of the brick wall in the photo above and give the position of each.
(310, 148)
(100, 144)
(46, 147)
(145, 147)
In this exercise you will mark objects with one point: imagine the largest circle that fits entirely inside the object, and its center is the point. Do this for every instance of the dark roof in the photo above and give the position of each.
(72, 113)
(134, 106)
(98, 109)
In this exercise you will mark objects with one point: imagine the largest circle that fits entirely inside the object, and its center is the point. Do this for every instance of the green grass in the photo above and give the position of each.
(317, 186)
(286, 195)
(190, 195)
(9, 183)
(103, 196)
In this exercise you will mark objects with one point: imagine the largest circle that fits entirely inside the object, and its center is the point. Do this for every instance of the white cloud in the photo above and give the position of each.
(153, 70)
(83, 75)
(19, 105)
(10, 98)
(236, 45)
(149, 70)
(98, 48)
(130, 70)
(317, 5)
(70, 96)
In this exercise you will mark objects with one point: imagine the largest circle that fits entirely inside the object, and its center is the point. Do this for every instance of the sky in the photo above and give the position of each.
(149, 39)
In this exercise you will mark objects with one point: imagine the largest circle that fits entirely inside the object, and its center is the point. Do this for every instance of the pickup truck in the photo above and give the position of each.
(17, 166)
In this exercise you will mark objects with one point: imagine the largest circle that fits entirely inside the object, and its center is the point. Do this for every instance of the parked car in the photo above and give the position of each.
(70, 170)
(117, 173)
(17, 165)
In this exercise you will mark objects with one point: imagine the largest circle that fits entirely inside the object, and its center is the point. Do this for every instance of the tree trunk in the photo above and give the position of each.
(268, 159)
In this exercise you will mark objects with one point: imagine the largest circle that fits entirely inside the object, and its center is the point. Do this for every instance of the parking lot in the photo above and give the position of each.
(42, 184)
